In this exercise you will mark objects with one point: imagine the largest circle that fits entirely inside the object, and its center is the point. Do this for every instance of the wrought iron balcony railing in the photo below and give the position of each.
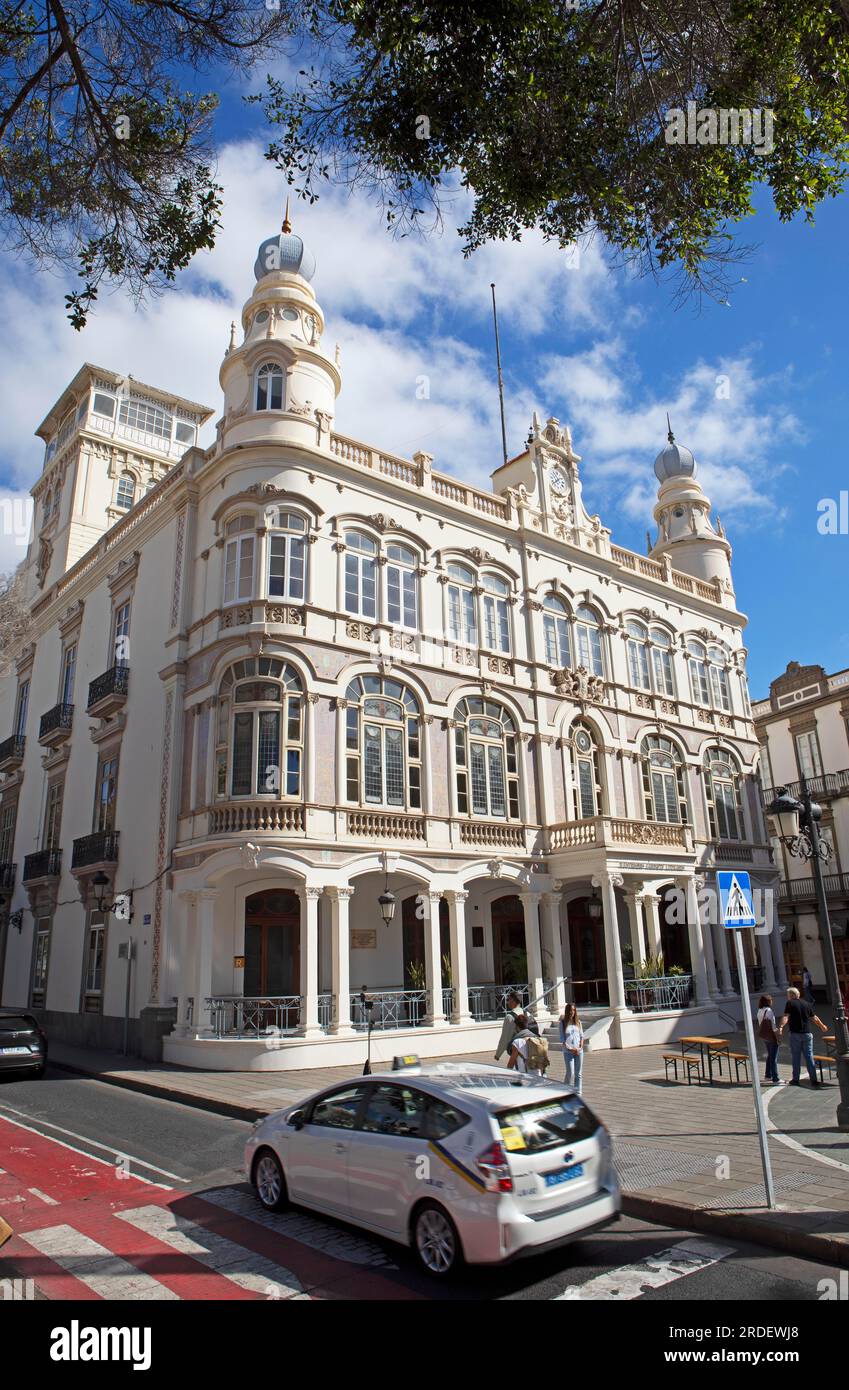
(45, 863)
(12, 751)
(56, 723)
(99, 848)
(826, 784)
(794, 889)
(113, 684)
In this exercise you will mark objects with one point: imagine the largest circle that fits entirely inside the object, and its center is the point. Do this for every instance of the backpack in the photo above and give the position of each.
(766, 1029)
(537, 1054)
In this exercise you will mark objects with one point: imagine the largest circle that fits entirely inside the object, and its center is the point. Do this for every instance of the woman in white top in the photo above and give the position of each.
(768, 1033)
(572, 1043)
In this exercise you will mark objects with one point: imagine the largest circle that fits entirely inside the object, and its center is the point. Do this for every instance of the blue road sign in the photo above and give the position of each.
(735, 899)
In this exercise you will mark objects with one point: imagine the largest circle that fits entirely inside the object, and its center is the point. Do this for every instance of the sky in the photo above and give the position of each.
(757, 388)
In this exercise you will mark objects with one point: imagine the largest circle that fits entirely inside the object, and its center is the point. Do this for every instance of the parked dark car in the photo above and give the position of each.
(23, 1042)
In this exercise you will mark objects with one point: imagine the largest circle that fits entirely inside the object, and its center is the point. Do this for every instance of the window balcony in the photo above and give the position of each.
(108, 693)
(92, 851)
(801, 889)
(44, 864)
(620, 834)
(55, 726)
(12, 752)
(277, 817)
(825, 785)
(8, 874)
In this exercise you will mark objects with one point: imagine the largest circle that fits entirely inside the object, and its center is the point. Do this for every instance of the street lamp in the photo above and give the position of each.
(386, 903)
(798, 829)
(594, 907)
(16, 919)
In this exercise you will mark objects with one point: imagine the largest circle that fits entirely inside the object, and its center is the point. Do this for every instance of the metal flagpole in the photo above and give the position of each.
(500, 377)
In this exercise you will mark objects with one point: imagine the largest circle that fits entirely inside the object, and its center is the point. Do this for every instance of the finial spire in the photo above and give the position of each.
(669, 435)
(287, 225)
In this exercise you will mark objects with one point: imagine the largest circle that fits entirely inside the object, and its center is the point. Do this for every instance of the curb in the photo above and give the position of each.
(739, 1226)
(228, 1109)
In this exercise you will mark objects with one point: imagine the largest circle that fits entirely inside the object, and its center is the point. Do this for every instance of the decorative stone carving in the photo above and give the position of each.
(45, 552)
(579, 684)
(360, 632)
(402, 641)
(236, 617)
(381, 522)
(295, 407)
(283, 613)
(499, 666)
(464, 656)
(249, 855)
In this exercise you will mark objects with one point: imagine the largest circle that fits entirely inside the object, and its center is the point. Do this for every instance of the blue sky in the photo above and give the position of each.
(758, 389)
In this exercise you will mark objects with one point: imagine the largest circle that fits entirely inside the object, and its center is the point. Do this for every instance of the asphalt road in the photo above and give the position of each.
(46, 1125)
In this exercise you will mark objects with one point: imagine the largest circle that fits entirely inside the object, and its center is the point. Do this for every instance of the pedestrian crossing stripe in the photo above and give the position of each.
(735, 898)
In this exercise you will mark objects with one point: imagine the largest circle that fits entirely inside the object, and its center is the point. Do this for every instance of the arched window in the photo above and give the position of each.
(287, 555)
(487, 760)
(260, 732)
(239, 544)
(555, 624)
(697, 661)
(360, 575)
(402, 603)
(649, 658)
(383, 753)
(462, 608)
(709, 676)
(720, 693)
(126, 494)
(663, 781)
(722, 790)
(585, 769)
(496, 613)
(588, 640)
(269, 387)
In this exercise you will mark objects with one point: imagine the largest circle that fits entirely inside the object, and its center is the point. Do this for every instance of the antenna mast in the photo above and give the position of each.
(500, 377)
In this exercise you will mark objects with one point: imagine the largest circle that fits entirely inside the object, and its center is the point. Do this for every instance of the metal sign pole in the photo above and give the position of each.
(127, 997)
(753, 1065)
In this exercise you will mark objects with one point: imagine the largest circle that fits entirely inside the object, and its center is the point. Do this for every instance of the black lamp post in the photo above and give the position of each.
(100, 883)
(797, 827)
(594, 907)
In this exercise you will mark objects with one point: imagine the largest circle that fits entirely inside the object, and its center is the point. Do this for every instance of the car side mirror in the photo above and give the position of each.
(296, 1119)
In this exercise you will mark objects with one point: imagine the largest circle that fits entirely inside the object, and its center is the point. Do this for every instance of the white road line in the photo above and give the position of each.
(783, 1138)
(243, 1267)
(36, 1192)
(306, 1229)
(95, 1266)
(631, 1281)
(151, 1167)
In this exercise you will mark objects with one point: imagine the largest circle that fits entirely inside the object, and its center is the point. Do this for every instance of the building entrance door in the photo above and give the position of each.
(510, 958)
(589, 959)
(272, 944)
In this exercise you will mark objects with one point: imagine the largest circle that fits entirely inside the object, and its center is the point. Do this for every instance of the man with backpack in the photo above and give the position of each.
(529, 1050)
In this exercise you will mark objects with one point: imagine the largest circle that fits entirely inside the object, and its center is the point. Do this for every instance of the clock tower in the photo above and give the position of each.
(546, 478)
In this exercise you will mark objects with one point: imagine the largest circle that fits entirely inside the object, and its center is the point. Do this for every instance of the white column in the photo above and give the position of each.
(184, 960)
(566, 946)
(460, 1013)
(615, 979)
(697, 955)
(309, 962)
(651, 906)
(530, 906)
(722, 939)
(706, 933)
(435, 1016)
(205, 937)
(340, 954)
(634, 902)
(779, 968)
(551, 944)
(764, 947)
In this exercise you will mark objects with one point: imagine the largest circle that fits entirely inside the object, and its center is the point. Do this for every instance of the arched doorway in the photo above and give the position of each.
(272, 943)
(509, 955)
(588, 955)
(413, 940)
(674, 936)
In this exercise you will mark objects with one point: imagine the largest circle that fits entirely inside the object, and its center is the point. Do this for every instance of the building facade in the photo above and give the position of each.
(803, 730)
(271, 681)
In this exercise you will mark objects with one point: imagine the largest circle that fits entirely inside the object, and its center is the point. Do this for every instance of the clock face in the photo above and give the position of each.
(558, 482)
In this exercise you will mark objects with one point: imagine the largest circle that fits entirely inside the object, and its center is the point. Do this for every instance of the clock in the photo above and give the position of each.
(558, 481)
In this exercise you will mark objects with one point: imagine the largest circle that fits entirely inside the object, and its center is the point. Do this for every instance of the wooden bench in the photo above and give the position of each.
(821, 1062)
(740, 1059)
(691, 1065)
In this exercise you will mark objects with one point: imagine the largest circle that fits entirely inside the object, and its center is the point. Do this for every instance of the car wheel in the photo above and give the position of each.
(435, 1241)
(269, 1181)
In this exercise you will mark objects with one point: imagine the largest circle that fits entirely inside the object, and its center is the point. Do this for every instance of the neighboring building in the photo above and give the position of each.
(803, 729)
(299, 670)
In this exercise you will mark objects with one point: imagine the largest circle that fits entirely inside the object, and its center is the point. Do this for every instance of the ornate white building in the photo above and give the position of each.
(270, 680)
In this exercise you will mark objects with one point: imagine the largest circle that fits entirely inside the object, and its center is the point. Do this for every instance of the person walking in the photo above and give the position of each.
(768, 1032)
(572, 1045)
(528, 1051)
(807, 985)
(798, 1017)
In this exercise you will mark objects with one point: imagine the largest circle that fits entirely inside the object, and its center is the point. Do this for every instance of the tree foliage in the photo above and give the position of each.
(105, 162)
(553, 113)
(15, 618)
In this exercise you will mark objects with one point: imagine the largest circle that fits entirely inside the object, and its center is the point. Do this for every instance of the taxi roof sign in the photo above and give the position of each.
(735, 899)
(407, 1063)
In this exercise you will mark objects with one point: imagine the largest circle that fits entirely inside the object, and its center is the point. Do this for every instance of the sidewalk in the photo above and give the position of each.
(687, 1155)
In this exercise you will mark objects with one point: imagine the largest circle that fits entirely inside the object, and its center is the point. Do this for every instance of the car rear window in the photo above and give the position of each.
(532, 1128)
(16, 1023)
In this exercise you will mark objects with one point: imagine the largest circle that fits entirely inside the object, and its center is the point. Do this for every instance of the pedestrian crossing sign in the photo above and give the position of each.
(735, 899)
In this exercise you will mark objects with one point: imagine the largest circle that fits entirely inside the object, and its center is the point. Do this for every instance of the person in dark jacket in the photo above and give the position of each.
(798, 1017)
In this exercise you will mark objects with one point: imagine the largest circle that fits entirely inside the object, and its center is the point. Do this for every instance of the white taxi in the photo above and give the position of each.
(459, 1161)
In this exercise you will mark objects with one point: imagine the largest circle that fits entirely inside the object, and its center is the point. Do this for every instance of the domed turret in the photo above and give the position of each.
(685, 534)
(286, 252)
(674, 461)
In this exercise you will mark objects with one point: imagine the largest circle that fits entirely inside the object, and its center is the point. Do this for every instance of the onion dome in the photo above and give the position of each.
(675, 461)
(286, 252)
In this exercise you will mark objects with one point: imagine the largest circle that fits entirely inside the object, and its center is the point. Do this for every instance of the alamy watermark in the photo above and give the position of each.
(720, 125)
